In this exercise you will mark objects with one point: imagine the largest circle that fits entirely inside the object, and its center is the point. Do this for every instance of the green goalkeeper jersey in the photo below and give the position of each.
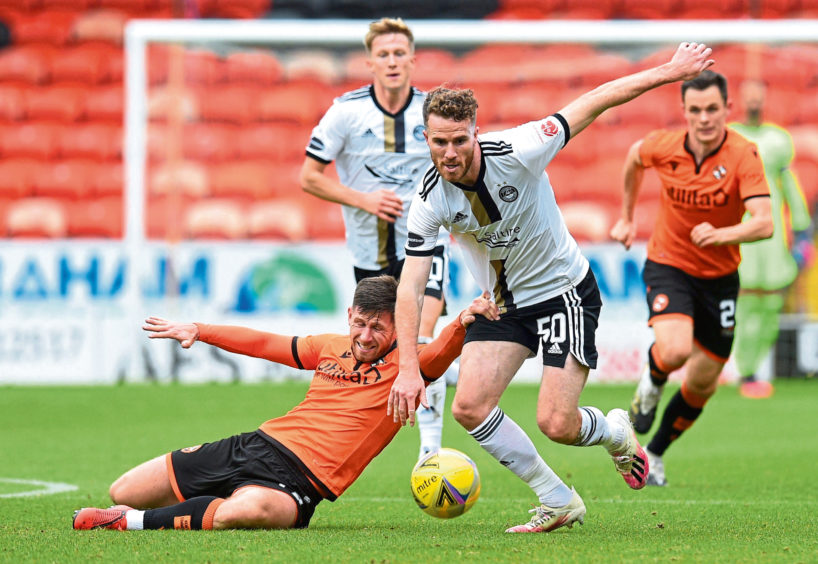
(768, 264)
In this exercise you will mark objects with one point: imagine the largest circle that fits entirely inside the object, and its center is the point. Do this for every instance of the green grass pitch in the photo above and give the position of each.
(743, 483)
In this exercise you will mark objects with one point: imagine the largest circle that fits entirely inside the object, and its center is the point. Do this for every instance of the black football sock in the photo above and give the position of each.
(681, 412)
(657, 375)
(195, 513)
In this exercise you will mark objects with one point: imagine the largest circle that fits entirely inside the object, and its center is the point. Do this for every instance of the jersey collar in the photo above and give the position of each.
(382, 109)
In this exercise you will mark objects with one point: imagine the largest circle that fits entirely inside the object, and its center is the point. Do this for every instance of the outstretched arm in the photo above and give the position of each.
(624, 230)
(383, 203)
(185, 333)
(688, 61)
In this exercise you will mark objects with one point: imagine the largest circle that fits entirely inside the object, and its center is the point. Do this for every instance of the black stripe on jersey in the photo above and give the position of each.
(317, 158)
(488, 202)
(294, 349)
(429, 181)
(565, 127)
(495, 148)
(400, 133)
(316, 143)
(502, 295)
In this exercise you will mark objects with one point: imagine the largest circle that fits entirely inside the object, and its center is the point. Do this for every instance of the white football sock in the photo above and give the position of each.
(594, 430)
(134, 517)
(508, 443)
(430, 421)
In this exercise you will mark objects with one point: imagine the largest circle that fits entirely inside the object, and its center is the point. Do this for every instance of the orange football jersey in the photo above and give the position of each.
(341, 424)
(713, 191)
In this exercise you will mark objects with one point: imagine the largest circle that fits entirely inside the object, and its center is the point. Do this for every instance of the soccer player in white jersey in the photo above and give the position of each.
(375, 136)
(492, 194)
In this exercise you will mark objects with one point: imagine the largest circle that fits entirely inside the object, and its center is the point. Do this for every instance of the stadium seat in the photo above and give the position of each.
(57, 102)
(641, 10)
(246, 180)
(88, 63)
(105, 103)
(312, 64)
(164, 217)
(12, 101)
(39, 140)
(201, 66)
(210, 142)
(157, 62)
(64, 180)
(215, 219)
(41, 218)
(253, 67)
(101, 140)
(44, 26)
(645, 215)
(434, 67)
(587, 221)
(98, 217)
(164, 100)
(26, 63)
(278, 142)
(277, 219)
(108, 179)
(100, 25)
(16, 177)
(493, 63)
(230, 103)
(355, 68)
(325, 221)
(300, 102)
(186, 177)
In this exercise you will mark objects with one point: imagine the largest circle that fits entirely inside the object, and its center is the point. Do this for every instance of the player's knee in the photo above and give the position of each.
(468, 414)
(119, 491)
(674, 354)
(559, 428)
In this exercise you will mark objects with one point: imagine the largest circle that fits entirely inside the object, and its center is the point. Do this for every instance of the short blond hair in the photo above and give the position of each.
(387, 25)
(456, 105)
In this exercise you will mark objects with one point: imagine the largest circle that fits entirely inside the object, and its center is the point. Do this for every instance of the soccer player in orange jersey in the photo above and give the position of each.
(274, 477)
(710, 177)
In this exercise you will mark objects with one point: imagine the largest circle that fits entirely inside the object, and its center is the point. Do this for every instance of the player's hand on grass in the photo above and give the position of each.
(384, 204)
(480, 306)
(689, 60)
(624, 231)
(158, 328)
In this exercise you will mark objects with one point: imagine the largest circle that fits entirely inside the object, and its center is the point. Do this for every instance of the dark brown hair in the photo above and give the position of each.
(376, 294)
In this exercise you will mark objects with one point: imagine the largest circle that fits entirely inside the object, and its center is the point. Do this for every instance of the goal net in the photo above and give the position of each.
(219, 114)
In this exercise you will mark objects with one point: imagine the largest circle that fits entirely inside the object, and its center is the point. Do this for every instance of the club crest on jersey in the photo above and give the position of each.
(417, 132)
(719, 172)
(508, 193)
(549, 128)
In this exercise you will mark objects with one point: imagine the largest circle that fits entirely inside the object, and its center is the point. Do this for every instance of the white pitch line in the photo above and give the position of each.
(47, 487)
(592, 501)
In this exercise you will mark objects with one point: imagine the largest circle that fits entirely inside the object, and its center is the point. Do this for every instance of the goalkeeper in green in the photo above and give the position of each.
(768, 266)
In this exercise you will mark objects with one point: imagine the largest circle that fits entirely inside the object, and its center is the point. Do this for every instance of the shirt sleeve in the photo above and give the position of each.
(752, 181)
(283, 349)
(423, 225)
(647, 151)
(328, 137)
(436, 357)
(536, 143)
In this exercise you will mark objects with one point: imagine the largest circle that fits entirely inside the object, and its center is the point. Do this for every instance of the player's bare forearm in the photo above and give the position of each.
(688, 61)
(315, 182)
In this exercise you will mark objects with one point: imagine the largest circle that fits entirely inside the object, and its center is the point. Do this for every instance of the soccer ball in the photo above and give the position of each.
(445, 483)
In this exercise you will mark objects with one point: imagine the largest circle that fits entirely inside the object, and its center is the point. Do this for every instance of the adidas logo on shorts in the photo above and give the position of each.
(554, 349)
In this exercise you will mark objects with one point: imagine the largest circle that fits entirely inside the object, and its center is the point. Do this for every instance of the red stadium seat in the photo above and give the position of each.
(215, 219)
(227, 103)
(279, 142)
(434, 67)
(16, 177)
(44, 26)
(27, 63)
(40, 218)
(301, 102)
(65, 180)
(248, 180)
(39, 140)
(188, 178)
(312, 64)
(105, 103)
(58, 103)
(253, 67)
(324, 220)
(108, 179)
(164, 101)
(98, 217)
(645, 215)
(201, 66)
(277, 219)
(164, 217)
(100, 25)
(102, 141)
(587, 221)
(12, 101)
(88, 63)
(210, 142)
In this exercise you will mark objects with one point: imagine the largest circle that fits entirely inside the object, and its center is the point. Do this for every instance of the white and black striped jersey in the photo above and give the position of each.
(512, 233)
(373, 150)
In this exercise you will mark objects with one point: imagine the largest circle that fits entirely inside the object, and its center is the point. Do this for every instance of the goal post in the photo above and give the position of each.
(346, 35)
